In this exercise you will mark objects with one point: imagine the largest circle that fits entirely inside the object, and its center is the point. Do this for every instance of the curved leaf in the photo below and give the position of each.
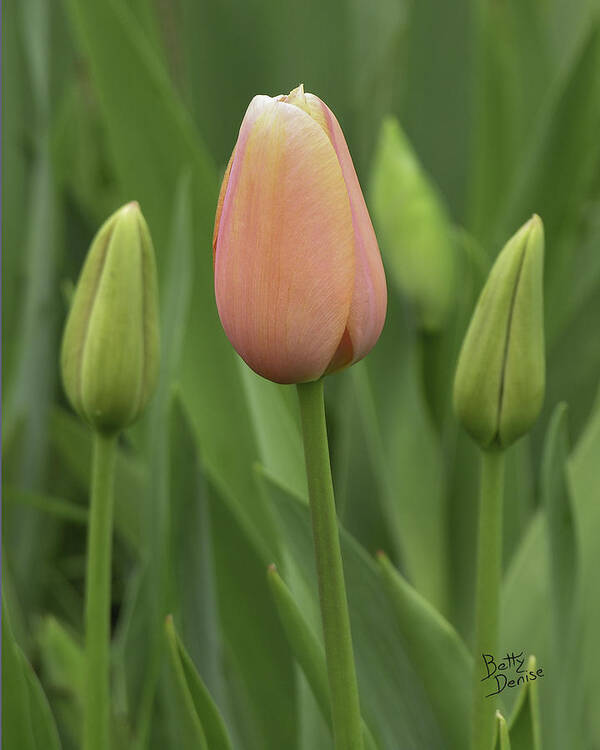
(438, 654)
(203, 727)
(307, 648)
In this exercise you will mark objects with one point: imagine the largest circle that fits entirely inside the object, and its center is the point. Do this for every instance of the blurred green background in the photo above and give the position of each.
(142, 99)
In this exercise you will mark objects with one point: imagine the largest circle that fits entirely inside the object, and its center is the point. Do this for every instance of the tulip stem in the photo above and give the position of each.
(345, 707)
(96, 715)
(489, 576)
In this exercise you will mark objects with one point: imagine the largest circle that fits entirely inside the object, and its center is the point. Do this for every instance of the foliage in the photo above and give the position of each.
(134, 99)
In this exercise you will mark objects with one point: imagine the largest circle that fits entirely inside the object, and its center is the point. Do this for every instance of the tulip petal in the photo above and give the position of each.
(369, 300)
(285, 249)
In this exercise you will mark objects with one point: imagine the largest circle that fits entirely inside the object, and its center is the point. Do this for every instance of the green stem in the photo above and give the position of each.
(345, 707)
(96, 715)
(489, 576)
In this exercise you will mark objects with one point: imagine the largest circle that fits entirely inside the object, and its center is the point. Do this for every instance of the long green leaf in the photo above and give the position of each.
(206, 725)
(27, 722)
(394, 702)
(561, 523)
(502, 729)
(438, 654)
(524, 725)
(307, 648)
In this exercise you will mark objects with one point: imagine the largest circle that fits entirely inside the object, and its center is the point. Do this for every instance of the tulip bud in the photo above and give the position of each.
(110, 348)
(413, 227)
(299, 282)
(500, 377)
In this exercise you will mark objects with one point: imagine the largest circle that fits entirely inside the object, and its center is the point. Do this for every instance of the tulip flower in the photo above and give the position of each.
(299, 282)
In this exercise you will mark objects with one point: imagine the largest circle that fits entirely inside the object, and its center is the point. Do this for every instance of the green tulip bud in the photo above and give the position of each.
(500, 377)
(413, 228)
(110, 348)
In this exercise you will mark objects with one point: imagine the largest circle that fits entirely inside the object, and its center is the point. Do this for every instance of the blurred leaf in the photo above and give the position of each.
(276, 428)
(17, 731)
(438, 655)
(557, 167)
(307, 648)
(79, 154)
(525, 593)
(27, 722)
(525, 731)
(401, 436)
(585, 485)
(62, 662)
(513, 67)
(561, 523)
(73, 441)
(14, 188)
(56, 507)
(204, 725)
(502, 729)
(394, 703)
(260, 673)
(437, 80)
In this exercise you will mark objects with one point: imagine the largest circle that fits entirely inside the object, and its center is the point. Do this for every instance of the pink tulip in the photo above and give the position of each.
(299, 281)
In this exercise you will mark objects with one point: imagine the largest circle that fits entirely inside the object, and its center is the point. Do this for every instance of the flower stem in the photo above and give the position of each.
(489, 576)
(96, 715)
(345, 707)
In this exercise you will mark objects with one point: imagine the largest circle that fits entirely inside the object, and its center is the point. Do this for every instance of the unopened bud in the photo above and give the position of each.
(500, 377)
(110, 348)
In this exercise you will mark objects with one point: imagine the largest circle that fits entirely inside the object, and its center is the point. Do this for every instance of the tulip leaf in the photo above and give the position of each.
(394, 703)
(524, 723)
(503, 739)
(203, 724)
(54, 506)
(27, 722)
(563, 546)
(400, 439)
(273, 410)
(558, 167)
(585, 484)
(307, 648)
(437, 652)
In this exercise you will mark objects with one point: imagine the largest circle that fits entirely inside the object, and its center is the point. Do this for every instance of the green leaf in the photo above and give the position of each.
(27, 722)
(204, 726)
(557, 168)
(524, 724)
(561, 522)
(437, 652)
(401, 439)
(307, 648)
(62, 659)
(54, 506)
(394, 703)
(585, 485)
(258, 664)
(502, 729)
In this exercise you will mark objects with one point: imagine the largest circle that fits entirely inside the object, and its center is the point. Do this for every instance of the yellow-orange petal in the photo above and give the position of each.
(369, 299)
(285, 258)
